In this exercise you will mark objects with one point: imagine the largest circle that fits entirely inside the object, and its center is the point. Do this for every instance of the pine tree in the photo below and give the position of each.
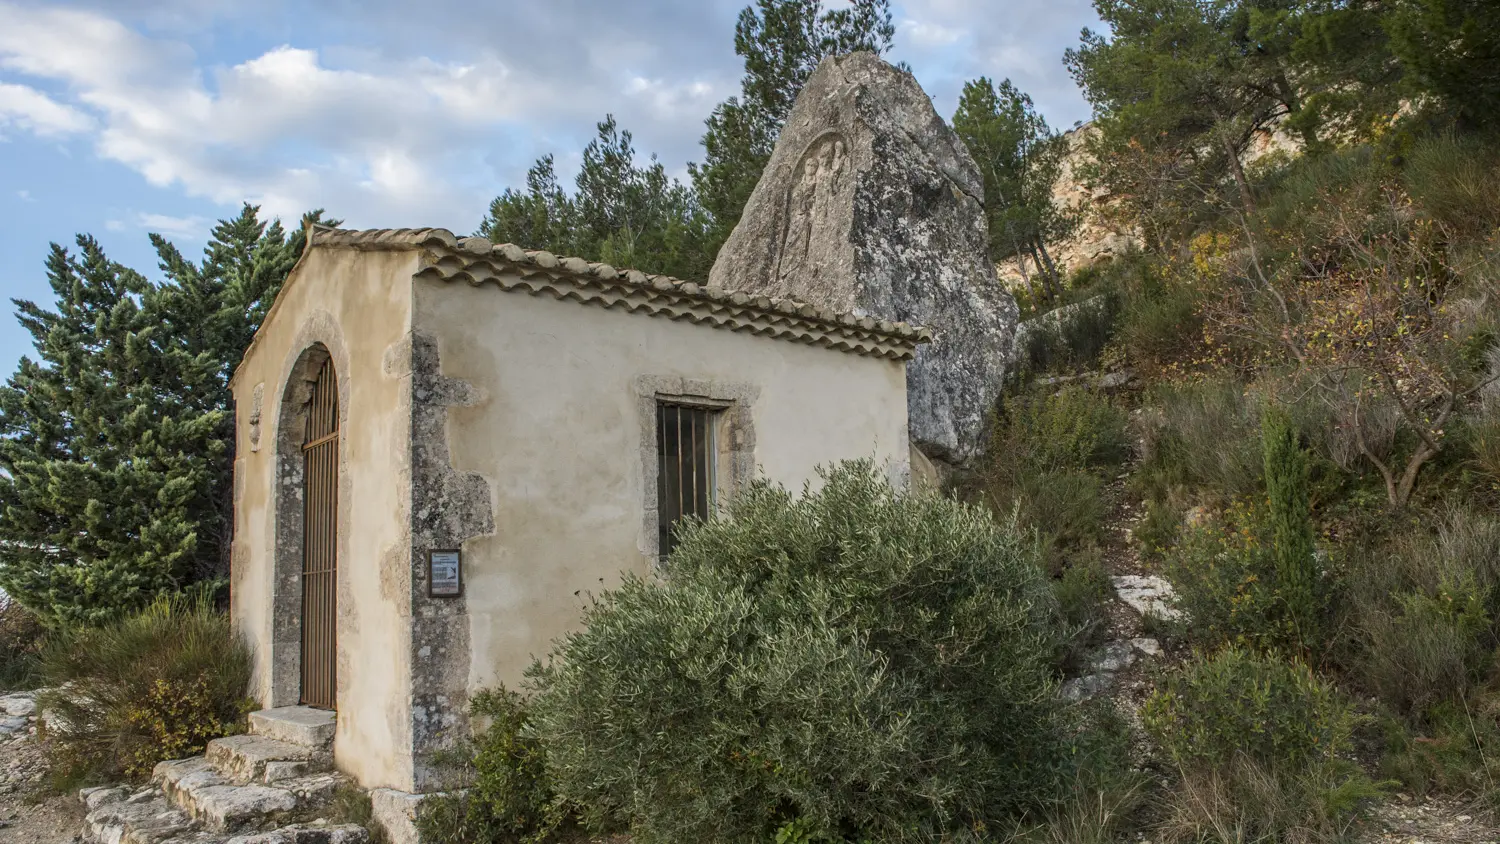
(620, 212)
(1451, 48)
(782, 43)
(1019, 158)
(1192, 74)
(115, 443)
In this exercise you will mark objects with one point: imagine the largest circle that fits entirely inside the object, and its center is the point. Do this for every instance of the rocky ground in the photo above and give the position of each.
(29, 814)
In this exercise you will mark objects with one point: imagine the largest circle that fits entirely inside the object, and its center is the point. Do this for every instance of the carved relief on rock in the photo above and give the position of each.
(812, 204)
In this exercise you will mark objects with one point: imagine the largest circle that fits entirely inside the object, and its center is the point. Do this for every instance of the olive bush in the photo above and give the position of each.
(852, 664)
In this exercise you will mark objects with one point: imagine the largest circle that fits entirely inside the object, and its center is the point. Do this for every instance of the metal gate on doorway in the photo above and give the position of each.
(320, 455)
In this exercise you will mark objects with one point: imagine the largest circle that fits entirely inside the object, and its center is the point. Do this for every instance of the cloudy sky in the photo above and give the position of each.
(123, 117)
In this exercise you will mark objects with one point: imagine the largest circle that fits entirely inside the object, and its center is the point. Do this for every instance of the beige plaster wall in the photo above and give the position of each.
(359, 306)
(555, 425)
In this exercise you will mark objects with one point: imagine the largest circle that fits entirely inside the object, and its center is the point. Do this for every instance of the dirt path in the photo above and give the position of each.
(28, 814)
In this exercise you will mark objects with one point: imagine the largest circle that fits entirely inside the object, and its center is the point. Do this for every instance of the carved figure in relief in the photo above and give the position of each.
(810, 205)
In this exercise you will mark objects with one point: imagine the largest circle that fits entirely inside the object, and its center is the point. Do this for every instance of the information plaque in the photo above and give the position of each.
(445, 578)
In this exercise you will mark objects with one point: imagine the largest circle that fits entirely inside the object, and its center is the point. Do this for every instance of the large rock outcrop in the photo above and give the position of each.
(871, 204)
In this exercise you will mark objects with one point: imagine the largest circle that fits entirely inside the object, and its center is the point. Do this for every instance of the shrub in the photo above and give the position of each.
(857, 662)
(1454, 753)
(503, 793)
(1204, 437)
(1155, 327)
(1425, 613)
(1069, 338)
(1237, 703)
(1042, 462)
(21, 639)
(1256, 740)
(155, 685)
(1225, 575)
(1083, 592)
(1073, 428)
(1290, 513)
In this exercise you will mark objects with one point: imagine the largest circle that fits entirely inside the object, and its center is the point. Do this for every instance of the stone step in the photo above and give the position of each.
(251, 758)
(222, 805)
(130, 816)
(296, 725)
(313, 833)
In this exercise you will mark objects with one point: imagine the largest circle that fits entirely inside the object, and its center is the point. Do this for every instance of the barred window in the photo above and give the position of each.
(685, 478)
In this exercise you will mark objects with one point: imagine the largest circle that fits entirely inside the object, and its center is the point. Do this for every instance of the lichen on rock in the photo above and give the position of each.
(871, 204)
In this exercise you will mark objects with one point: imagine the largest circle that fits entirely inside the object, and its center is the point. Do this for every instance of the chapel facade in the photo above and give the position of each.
(444, 446)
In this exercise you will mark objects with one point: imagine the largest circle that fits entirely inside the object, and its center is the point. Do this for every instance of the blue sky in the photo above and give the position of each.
(123, 117)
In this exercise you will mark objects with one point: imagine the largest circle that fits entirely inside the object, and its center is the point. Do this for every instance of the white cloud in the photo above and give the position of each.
(396, 141)
(185, 227)
(927, 35)
(31, 110)
(25, 196)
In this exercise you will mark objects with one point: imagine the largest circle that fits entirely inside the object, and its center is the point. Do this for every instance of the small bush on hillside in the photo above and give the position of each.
(1203, 438)
(854, 663)
(1453, 752)
(155, 685)
(1241, 703)
(1456, 181)
(1073, 428)
(1043, 462)
(1425, 614)
(1083, 592)
(503, 793)
(21, 637)
(1071, 339)
(1257, 741)
(1226, 578)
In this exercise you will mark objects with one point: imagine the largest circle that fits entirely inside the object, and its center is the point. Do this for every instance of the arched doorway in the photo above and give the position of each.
(320, 457)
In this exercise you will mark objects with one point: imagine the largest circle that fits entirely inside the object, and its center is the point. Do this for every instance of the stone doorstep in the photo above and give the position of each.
(250, 758)
(196, 787)
(295, 725)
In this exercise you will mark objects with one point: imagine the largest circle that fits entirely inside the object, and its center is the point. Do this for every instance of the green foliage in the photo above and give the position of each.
(1450, 48)
(782, 43)
(621, 212)
(1240, 703)
(153, 685)
(1248, 802)
(1202, 438)
(21, 639)
(1073, 428)
(1424, 613)
(1020, 159)
(1071, 339)
(867, 663)
(1107, 790)
(1456, 751)
(1043, 463)
(1084, 592)
(504, 793)
(1228, 584)
(350, 804)
(1290, 514)
(1258, 742)
(115, 455)
(1455, 180)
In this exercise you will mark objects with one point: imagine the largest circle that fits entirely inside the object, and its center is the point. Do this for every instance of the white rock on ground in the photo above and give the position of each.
(1148, 595)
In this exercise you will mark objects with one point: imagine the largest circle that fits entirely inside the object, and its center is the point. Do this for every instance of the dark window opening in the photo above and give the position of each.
(685, 470)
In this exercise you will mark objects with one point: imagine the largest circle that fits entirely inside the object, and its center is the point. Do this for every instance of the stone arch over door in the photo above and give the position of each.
(314, 357)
